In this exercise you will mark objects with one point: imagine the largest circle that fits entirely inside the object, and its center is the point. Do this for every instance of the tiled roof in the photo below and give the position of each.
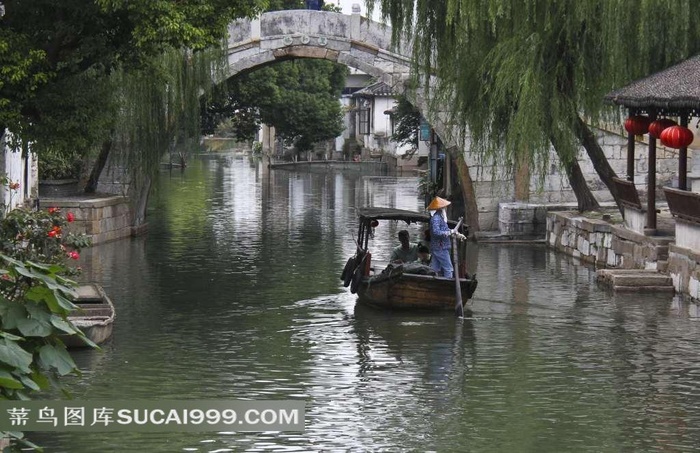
(376, 89)
(673, 89)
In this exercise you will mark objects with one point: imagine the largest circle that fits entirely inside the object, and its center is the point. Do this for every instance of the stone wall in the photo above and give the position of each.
(605, 245)
(494, 187)
(103, 219)
(684, 268)
(684, 258)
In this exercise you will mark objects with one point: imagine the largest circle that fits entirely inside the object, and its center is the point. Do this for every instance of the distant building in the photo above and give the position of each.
(374, 107)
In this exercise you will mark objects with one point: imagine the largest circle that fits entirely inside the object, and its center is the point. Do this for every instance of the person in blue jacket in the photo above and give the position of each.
(314, 4)
(440, 235)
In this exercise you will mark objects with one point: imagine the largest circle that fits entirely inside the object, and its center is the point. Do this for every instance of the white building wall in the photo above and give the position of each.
(13, 167)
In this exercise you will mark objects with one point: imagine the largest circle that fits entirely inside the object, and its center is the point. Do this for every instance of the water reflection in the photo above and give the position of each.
(234, 293)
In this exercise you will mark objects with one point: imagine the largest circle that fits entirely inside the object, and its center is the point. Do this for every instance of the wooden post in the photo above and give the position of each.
(630, 156)
(651, 183)
(683, 159)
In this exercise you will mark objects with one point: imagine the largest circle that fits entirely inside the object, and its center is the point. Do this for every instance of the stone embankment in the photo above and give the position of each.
(103, 219)
(633, 260)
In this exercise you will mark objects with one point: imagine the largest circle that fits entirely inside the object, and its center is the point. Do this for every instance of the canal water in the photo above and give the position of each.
(234, 293)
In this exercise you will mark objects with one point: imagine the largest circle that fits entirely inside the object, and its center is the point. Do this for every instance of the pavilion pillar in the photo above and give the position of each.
(651, 183)
(683, 159)
(630, 153)
(630, 157)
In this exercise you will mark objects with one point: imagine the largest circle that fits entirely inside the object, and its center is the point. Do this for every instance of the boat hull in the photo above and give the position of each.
(94, 317)
(414, 292)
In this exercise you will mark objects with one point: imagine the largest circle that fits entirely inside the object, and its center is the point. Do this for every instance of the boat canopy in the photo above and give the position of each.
(368, 214)
(371, 213)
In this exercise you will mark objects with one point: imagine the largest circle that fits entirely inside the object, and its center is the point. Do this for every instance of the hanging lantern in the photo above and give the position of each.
(677, 137)
(637, 124)
(658, 126)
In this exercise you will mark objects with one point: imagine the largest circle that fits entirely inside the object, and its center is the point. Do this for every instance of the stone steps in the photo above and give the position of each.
(636, 280)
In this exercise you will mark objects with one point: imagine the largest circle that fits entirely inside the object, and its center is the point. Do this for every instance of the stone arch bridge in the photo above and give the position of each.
(350, 40)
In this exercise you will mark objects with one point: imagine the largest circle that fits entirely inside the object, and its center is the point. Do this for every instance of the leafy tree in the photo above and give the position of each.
(299, 98)
(58, 58)
(407, 120)
(524, 75)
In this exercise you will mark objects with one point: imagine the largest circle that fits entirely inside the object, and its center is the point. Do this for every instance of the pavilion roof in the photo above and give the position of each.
(671, 91)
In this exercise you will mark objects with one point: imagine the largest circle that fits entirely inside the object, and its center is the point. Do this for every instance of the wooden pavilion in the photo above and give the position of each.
(673, 92)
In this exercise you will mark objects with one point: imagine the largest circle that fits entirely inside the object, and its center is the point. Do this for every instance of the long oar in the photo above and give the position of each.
(459, 310)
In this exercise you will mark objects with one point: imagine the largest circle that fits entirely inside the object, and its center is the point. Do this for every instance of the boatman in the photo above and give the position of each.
(440, 235)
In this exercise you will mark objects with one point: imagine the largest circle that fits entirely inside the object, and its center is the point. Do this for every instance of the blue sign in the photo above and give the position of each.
(424, 131)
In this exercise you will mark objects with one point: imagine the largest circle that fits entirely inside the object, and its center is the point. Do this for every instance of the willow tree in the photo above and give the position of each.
(158, 109)
(524, 76)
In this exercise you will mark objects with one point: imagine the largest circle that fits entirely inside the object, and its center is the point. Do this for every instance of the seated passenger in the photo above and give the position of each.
(423, 255)
(404, 253)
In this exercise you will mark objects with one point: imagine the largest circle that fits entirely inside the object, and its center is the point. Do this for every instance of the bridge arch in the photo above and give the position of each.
(351, 40)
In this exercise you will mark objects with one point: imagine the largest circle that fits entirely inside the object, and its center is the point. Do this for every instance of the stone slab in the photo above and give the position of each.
(644, 289)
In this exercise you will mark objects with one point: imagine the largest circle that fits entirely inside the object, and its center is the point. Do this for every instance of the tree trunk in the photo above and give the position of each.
(584, 196)
(471, 209)
(99, 165)
(595, 153)
(143, 192)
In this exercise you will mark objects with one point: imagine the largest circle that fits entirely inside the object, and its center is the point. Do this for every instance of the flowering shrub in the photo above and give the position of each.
(35, 300)
(40, 236)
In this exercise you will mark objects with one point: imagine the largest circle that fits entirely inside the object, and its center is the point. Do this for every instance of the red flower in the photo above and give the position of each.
(74, 255)
(53, 210)
(14, 185)
(70, 217)
(55, 232)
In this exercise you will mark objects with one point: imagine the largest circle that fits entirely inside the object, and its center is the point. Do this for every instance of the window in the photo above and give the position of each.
(364, 122)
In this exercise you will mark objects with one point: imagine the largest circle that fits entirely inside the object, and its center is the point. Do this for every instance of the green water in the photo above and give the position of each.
(234, 293)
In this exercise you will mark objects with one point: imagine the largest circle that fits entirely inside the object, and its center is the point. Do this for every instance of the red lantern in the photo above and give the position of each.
(637, 125)
(676, 137)
(658, 126)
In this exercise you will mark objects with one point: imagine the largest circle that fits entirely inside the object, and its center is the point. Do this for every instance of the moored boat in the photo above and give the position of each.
(406, 286)
(94, 316)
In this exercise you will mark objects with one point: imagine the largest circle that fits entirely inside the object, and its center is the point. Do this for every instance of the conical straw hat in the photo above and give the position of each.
(438, 203)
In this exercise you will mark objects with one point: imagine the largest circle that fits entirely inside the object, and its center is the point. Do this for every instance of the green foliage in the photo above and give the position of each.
(57, 59)
(160, 107)
(34, 304)
(426, 187)
(299, 98)
(57, 165)
(407, 120)
(520, 74)
(35, 300)
(40, 236)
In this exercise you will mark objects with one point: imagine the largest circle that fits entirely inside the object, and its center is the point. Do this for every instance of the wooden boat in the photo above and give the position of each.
(398, 286)
(94, 316)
